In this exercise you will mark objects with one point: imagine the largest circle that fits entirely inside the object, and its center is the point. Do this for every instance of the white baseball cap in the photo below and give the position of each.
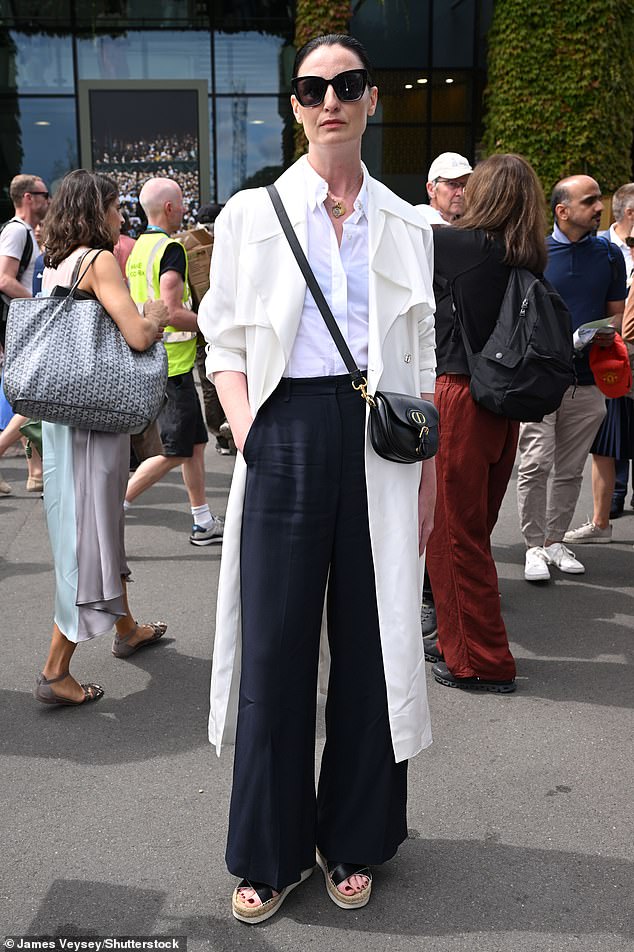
(449, 165)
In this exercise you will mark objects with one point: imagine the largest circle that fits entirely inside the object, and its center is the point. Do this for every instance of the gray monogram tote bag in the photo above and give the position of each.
(66, 361)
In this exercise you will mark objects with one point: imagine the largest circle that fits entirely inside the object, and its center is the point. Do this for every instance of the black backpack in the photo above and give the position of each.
(526, 366)
(25, 260)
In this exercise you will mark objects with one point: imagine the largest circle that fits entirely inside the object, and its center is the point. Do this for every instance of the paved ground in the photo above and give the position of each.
(521, 813)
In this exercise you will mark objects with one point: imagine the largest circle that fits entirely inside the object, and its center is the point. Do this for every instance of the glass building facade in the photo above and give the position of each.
(200, 89)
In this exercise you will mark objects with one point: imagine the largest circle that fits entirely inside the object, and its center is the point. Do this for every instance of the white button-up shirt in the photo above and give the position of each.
(625, 251)
(343, 275)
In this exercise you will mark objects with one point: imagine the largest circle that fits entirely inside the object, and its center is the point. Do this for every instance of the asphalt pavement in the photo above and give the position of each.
(521, 814)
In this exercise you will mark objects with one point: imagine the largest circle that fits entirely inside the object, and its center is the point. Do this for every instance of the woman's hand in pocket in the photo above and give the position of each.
(240, 438)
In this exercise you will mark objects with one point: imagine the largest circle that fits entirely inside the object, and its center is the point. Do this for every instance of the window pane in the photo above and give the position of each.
(118, 13)
(403, 96)
(394, 32)
(270, 16)
(252, 63)
(451, 97)
(146, 54)
(46, 139)
(28, 12)
(453, 40)
(397, 156)
(451, 139)
(254, 141)
(34, 63)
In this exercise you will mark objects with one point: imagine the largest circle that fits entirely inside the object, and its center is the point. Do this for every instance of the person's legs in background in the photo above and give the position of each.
(214, 414)
(620, 488)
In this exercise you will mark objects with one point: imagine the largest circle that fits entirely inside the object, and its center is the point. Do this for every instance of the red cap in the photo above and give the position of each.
(611, 368)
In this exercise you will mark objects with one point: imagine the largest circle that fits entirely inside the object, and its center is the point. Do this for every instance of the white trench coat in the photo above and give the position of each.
(250, 317)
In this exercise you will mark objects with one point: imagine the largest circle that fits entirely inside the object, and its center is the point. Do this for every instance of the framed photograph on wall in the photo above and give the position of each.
(135, 130)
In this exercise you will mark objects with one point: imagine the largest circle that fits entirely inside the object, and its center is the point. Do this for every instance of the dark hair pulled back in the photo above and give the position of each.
(334, 39)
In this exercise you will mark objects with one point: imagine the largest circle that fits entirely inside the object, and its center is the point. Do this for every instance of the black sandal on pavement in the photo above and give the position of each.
(121, 648)
(336, 873)
(269, 902)
(44, 693)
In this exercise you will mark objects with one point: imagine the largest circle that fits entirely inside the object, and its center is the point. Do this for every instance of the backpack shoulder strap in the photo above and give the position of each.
(444, 283)
(27, 251)
(611, 256)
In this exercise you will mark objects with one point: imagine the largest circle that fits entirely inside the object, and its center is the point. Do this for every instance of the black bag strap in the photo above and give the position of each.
(611, 257)
(27, 251)
(76, 277)
(358, 380)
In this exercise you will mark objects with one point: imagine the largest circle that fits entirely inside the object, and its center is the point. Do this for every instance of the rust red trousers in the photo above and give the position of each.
(474, 465)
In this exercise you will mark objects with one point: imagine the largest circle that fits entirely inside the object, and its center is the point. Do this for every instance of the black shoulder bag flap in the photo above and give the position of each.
(403, 429)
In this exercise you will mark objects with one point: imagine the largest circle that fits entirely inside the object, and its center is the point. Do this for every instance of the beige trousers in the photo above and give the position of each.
(556, 450)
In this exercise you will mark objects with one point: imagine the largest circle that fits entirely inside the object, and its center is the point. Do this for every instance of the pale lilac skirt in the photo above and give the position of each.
(85, 478)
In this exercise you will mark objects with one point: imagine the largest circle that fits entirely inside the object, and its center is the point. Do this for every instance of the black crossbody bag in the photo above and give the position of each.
(403, 429)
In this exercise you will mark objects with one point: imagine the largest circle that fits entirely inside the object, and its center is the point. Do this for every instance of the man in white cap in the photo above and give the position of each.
(446, 180)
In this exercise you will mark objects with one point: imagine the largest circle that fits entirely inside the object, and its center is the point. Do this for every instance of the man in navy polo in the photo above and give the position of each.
(589, 274)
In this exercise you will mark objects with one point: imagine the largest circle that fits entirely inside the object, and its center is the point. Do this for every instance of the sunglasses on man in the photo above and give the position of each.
(45, 194)
(349, 86)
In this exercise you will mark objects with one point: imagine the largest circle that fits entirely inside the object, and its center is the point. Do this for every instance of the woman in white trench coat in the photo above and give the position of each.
(314, 514)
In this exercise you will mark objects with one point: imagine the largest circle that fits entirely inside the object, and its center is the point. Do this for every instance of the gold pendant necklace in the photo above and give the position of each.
(338, 208)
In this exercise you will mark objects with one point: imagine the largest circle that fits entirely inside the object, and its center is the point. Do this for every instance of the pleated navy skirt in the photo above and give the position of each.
(616, 434)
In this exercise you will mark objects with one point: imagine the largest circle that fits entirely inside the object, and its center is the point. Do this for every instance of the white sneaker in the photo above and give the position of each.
(587, 533)
(536, 567)
(557, 554)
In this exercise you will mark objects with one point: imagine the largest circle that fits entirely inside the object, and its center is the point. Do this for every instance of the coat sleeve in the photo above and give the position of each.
(217, 315)
(426, 323)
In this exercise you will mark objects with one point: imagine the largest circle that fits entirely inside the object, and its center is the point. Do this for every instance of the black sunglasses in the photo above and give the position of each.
(45, 194)
(348, 86)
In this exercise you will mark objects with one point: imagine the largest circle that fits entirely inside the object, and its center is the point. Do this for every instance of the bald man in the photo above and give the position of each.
(589, 274)
(157, 268)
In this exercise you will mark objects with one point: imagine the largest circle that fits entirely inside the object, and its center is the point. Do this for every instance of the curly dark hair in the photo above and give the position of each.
(504, 197)
(77, 215)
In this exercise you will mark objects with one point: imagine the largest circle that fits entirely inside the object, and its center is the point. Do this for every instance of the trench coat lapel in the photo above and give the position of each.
(272, 267)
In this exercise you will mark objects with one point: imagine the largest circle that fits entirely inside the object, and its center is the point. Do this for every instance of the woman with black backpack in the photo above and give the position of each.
(503, 227)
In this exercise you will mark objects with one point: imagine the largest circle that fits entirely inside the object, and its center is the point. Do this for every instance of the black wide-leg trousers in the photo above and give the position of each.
(305, 527)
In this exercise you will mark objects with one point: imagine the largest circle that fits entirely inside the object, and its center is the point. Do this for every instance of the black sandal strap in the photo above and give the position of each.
(264, 893)
(339, 872)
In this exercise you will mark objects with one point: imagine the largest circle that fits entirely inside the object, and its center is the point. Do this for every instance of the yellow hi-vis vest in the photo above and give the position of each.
(143, 271)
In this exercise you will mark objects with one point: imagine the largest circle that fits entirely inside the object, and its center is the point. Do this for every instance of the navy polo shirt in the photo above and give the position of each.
(587, 274)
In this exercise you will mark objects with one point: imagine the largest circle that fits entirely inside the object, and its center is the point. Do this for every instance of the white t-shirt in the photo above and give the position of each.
(432, 215)
(12, 239)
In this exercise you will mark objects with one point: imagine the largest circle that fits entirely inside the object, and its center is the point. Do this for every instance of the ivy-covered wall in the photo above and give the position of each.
(561, 87)
(315, 18)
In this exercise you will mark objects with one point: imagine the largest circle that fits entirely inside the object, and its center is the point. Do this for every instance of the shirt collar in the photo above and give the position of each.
(559, 236)
(614, 238)
(317, 190)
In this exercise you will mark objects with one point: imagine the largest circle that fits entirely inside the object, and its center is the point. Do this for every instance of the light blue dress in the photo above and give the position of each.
(85, 479)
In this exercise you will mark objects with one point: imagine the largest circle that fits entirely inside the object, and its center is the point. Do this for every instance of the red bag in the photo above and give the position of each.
(611, 368)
